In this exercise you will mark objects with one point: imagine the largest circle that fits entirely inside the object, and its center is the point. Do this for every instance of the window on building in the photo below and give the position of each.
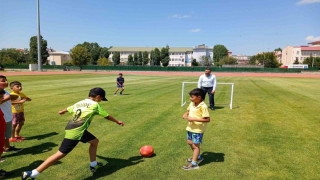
(298, 52)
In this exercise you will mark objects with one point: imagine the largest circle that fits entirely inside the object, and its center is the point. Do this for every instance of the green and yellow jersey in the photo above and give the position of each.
(82, 114)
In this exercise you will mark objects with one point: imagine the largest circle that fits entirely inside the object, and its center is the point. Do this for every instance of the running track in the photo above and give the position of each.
(168, 73)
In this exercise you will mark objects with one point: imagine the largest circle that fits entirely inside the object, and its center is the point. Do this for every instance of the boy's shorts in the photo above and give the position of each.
(195, 137)
(17, 118)
(8, 132)
(67, 145)
(120, 86)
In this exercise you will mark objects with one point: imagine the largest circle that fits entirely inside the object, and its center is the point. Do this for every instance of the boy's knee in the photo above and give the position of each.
(94, 142)
(190, 142)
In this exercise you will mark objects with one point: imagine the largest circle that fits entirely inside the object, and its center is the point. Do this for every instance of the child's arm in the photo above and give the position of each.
(6, 98)
(204, 119)
(185, 115)
(19, 101)
(114, 120)
(28, 99)
(63, 111)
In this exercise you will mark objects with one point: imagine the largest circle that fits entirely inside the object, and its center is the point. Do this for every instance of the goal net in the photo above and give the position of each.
(222, 96)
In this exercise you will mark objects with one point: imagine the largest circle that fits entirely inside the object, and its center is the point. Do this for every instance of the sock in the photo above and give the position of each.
(194, 163)
(93, 164)
(34, 173)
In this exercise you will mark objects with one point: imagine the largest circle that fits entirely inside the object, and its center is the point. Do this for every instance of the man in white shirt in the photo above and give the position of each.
(208, 83)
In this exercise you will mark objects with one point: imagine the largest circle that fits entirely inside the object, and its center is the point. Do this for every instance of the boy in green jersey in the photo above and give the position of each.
(76, 130)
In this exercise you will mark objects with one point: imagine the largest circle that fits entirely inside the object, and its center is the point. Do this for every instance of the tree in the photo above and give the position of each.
(80, 56)
(116, 58)
(228, 60)
(164, 54)
(14, 56)
(268, 59)
(278, 49)
(296, 61)
(219, 51)
(34, 49)
(103, 61)
(140, 58)
(194, 62)
(104, 52)
(130, 60)
(145, 58)
(135, 59)
(152, 58)
(157, 57)
(310, 60)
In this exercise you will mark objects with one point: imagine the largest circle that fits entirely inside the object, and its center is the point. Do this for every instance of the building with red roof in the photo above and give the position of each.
(292, 53)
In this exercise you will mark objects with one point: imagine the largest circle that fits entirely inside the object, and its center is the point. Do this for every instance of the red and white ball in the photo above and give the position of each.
(146, 151)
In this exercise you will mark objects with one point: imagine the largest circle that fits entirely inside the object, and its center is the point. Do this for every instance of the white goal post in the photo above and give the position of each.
(183, 97)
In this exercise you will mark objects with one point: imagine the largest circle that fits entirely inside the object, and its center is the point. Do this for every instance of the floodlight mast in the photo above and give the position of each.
(39, 41)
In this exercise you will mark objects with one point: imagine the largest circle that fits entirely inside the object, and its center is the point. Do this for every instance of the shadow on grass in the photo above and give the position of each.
(218, 107)
(209, 157)
(41, 148)
(125, 94)
(43, 136)
(113, 165)
(30, 167)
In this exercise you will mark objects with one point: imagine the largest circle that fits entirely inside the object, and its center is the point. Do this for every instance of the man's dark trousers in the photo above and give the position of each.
(211, 96)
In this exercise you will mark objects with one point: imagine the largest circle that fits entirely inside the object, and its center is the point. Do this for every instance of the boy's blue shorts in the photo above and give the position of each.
(120, 86)
(195, 137)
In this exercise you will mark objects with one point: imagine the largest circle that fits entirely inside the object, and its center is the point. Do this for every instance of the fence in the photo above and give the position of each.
(159, 68)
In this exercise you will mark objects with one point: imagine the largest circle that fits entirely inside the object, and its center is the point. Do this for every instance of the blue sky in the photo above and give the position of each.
(243, 26)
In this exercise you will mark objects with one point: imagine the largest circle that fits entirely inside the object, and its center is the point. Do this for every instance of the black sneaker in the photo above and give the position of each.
(212, 108)
(12, 149)
(120, 93)
(190, 166)
(4, 173)
(26, 175)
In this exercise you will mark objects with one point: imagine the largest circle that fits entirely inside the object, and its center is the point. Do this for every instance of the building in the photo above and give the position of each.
(242, 59)
(291, 53)
(58, 57)
(179, 56)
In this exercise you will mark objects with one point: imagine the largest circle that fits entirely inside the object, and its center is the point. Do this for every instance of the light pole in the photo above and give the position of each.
(39, 41)
(313, 59)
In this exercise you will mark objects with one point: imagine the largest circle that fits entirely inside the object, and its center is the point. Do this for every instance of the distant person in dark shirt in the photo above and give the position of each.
(120, 84)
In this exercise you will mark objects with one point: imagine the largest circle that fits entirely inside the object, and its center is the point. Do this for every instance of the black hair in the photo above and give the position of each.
(3, 77)
(208, 69)
(13, 83)
(198, 92)
(2, 91)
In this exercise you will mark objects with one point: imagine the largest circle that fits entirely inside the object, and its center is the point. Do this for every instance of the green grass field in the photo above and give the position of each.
(272, 132)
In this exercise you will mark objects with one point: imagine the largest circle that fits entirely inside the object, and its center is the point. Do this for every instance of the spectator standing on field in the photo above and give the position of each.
(208, 83)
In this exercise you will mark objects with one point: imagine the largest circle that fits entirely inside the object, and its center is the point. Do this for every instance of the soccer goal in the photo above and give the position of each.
(223, 95)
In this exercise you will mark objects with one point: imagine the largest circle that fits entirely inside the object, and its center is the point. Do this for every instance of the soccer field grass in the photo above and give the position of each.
(272, 132)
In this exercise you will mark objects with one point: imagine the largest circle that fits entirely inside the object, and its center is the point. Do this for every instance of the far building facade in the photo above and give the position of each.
(291, 53)
(58, 57)
(179, 56)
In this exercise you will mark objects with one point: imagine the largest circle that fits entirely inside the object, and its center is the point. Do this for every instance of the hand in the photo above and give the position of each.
(185, 116)
(213, 91)
(22, 100)
(120, 123)
(61, 112)
(190, 119)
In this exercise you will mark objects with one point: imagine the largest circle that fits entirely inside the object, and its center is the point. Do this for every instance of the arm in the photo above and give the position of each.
(110, 118)
(28, 99)
(199, 82)
(19, 101)
(63, 111)
(205, 119)
(214, 85)
(6, 98)
(185, 115)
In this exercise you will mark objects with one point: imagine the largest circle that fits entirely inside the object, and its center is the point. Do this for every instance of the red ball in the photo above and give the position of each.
(146, 151)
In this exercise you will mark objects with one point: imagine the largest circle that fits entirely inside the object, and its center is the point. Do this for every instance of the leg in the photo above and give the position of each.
(122, 90)
(93, 149)
(14, 128)
(50, 161)
(205, 92)
(116, 90)
(196, 152)
(211, 97)
(18, 129)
